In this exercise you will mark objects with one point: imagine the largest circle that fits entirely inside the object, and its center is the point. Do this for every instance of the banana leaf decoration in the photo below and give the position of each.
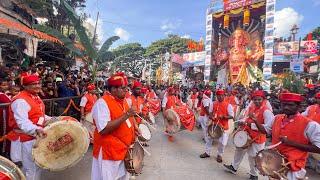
(81, 31)
(66, 41)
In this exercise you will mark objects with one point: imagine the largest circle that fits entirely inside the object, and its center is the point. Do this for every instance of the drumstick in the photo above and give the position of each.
(273, 146)
(146, 122)
(149, 154)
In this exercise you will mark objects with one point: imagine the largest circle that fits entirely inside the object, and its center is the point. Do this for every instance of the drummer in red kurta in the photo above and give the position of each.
(313, 111)
(298, 135)
(135, 100)
(87, 101)
(171, 101)
(115, 131)
(222, 112)
(86, 104)
(257, 112)
(27, 118)
(193, 99)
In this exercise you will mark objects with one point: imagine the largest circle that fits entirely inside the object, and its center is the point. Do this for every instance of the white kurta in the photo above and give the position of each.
(105, 169)
(312, 133)
(83, 101)
(252, 150)
(203, 120)
(20, 109)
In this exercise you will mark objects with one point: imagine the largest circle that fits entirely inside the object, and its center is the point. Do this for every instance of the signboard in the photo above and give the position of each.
(313, 69)
(206, 56)
(296, 65)
(289, 48)
(269, 37)
(194, 59)
(235, 4)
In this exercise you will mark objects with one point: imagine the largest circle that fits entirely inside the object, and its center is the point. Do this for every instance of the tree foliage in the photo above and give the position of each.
(129, 58)
(171, 44)
(293, 83)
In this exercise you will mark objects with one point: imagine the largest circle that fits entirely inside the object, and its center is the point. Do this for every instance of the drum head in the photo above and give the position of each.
(315, 156)
(10, 171)
(240, 139)
(145, 133)
(215, 131)
(66, 118)
(89, 118)
(64, 146)
(172, 121)
(134, 159)
(268, 161)
(152, 118)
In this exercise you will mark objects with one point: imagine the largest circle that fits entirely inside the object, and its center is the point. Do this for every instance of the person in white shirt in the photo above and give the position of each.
(28, 113)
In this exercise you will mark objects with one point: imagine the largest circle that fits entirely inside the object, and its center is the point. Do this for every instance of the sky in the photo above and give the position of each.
(145, 21)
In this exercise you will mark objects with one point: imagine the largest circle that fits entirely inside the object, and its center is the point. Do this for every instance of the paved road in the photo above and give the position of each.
(177, 160)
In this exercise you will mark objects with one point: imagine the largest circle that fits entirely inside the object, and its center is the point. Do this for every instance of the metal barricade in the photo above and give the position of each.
(67, 106)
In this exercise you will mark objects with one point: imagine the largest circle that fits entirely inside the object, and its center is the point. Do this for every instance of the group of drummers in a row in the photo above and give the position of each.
(119, 120)
(293, 134)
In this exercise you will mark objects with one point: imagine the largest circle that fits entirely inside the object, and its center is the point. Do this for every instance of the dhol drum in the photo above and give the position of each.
(271, 163)
(10, 171)
(215, 131)
(152, 118)
(89, 118)
(66, 118)
(145, 133)
(88, 124)
(172, 121)
(315, 156)
(65, 145)
(241, 139)
(134, 159)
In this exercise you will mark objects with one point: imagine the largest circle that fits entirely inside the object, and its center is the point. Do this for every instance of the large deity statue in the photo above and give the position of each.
(241, 56)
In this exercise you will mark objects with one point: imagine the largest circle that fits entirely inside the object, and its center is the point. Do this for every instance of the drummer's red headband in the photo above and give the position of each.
(220, 92)
(207, 92)
(91, 87)
(119, 79)
(136, 84)
(291, 97)
(258, 93)
(317, 95)
(30, 79)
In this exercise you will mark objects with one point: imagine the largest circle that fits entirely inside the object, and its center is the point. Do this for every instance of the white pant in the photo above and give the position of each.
(108, 170)
(32, 171)
(15, 151)
(223, 140)
(252, 152)
(297, 174)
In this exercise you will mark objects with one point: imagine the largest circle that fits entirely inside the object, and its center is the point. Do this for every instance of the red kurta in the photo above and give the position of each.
(116, 144)
(221, 109)
(294, 130)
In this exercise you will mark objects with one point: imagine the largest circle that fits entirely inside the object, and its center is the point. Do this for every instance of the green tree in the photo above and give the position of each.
(171, 44)
(129, 58)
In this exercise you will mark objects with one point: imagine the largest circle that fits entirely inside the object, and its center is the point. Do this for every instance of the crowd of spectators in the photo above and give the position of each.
(56, 82)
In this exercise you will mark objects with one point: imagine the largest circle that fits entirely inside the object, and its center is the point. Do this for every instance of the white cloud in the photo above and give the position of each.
(89, 25)
(285, 19)
(168, 26)
(123, 34)
(186, 36)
